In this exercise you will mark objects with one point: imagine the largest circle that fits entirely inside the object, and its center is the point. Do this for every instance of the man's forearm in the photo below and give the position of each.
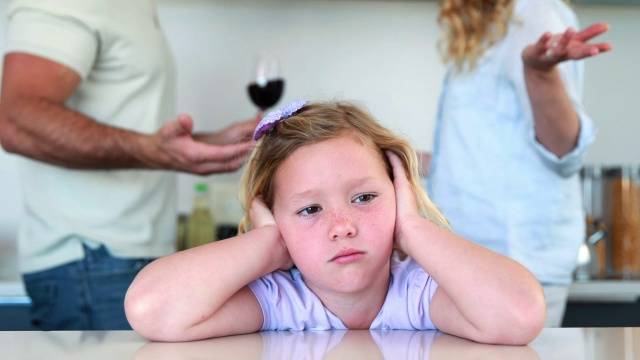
(46, 131)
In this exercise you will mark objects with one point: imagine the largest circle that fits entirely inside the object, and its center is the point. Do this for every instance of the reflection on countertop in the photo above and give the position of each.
(337, 344)
(552, 343)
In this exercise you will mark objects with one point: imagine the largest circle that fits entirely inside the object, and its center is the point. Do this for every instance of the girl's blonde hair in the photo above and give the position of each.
(312, 124)
(471, 27)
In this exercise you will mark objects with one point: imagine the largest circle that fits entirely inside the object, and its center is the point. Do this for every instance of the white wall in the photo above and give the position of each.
(378, 52)
(612, 85)
(381, 53)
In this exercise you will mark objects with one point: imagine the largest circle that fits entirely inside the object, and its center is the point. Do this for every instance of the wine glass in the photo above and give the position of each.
(266, 85)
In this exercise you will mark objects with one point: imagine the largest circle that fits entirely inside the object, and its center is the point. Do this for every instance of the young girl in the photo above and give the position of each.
(331, 191)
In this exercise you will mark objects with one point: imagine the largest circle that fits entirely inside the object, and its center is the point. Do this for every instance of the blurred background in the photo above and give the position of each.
(379, 53)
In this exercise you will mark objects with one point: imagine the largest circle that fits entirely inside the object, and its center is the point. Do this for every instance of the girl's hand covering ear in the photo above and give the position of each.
(406, 206)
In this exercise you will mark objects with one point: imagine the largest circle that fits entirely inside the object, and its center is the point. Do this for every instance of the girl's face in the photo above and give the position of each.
(335, 206)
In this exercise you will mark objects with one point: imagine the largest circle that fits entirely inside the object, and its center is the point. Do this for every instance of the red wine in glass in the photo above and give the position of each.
(266, 85)
(266, 95)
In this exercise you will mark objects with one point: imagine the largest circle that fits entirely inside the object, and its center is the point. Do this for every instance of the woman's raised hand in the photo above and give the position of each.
(552, 49)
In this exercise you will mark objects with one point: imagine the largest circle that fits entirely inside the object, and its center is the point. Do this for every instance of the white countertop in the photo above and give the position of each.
(552, 343)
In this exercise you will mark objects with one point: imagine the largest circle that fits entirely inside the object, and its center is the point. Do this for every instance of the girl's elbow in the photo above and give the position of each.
(527, 321)
(536, 317)
(136, 309)
(530, 327)
(140, 315)
(519, 325)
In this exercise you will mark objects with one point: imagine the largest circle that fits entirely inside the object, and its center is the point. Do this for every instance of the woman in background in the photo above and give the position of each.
(512, 133)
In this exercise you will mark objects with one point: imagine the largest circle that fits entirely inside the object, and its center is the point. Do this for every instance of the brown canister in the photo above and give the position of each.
(621, 205)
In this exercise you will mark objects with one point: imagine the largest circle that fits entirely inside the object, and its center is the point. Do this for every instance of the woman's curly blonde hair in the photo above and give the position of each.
(312, 124)
(471, 27)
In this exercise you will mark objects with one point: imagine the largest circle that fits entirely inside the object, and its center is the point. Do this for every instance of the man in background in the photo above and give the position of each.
(88, 90)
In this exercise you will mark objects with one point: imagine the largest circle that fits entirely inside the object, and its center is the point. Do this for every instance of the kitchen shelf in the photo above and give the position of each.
(609, 291)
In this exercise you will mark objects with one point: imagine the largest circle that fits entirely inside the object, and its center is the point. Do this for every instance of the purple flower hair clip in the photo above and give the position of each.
(273, 118)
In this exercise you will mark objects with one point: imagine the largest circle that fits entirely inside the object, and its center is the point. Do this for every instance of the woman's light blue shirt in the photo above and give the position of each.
(495, 183)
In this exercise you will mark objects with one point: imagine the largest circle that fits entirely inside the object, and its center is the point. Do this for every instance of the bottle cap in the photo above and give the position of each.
(201, 187)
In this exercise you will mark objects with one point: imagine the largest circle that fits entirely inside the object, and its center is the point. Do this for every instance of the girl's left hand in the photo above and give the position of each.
(552, 49)
(406, 206)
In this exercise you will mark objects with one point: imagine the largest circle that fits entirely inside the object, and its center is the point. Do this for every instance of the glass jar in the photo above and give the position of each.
(592, 258)
(622, 205)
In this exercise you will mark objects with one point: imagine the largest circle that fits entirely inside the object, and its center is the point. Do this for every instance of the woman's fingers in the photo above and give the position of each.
(591, 31)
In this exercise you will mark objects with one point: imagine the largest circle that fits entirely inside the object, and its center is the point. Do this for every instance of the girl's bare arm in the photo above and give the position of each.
(481, 295)
(202, 292)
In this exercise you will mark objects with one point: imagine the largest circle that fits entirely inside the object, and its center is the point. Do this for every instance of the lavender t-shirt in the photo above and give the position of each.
(288, 304)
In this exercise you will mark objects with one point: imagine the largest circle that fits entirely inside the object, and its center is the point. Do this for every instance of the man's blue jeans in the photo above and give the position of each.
(83, 295)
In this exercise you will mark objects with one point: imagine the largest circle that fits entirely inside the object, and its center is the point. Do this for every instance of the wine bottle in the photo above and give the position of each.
(201, 227)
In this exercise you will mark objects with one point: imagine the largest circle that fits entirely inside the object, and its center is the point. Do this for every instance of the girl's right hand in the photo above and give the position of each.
(261, 216)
